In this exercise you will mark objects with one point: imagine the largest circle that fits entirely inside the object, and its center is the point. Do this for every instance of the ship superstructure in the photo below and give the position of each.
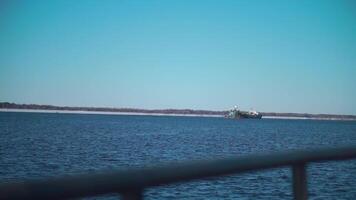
(235, 113)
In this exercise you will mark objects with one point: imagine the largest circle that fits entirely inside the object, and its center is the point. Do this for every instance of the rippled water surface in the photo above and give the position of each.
(35, 145)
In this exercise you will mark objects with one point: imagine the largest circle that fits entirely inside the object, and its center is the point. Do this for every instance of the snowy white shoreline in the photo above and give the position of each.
(307, 118)
(101, 112)
(156, 114)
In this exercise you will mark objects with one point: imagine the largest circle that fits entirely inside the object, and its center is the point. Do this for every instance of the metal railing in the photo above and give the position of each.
(131, 183)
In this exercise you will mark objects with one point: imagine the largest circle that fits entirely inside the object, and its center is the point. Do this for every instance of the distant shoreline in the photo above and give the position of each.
(101, 112)
(13, 107)
(154, 114)
(308, 118)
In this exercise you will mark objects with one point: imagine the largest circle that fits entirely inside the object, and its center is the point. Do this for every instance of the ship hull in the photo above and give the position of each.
(244, 115)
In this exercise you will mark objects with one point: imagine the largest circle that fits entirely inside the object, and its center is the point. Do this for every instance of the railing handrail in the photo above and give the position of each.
(124, 181)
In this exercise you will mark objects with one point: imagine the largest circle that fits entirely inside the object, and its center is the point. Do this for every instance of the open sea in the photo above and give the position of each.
(42, 145)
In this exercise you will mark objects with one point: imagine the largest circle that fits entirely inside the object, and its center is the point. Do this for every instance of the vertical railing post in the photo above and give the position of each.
(300, 189)
(136, 194)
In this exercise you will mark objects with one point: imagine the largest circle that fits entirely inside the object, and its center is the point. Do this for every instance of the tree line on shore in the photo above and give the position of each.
(7, 105)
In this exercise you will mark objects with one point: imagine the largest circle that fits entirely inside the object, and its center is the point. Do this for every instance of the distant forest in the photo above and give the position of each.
(7, 105)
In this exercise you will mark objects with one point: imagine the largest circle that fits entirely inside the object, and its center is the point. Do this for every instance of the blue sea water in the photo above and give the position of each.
(42, 145)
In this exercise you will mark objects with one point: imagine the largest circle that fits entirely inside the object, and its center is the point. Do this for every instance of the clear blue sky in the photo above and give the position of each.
(282, 56)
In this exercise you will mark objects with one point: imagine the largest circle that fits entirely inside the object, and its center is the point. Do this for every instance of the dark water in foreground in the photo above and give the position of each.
(34, 145)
